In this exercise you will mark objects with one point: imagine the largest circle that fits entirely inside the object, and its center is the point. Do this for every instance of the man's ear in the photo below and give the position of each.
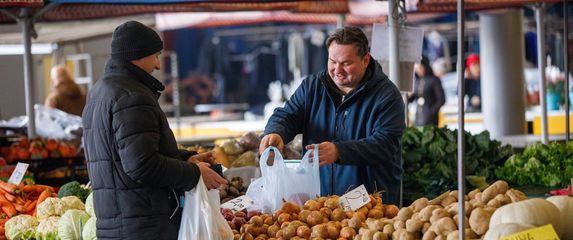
(366, 58)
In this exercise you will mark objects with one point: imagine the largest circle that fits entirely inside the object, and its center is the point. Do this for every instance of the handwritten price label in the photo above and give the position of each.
(546, 232)
(18, 173)
(355, 199)
(238, 204)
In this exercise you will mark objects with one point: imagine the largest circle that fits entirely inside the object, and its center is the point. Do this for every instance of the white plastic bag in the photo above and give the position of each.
(279, 182)
(201, 218)
(55, 123)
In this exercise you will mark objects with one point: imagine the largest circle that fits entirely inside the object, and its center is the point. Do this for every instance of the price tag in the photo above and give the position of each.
(546, 232)
(18, 173)
(238, 204)
(355, 199)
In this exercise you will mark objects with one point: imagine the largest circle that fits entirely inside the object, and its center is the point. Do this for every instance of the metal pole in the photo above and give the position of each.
(26, 22)
(566, 56)
(394, 45)
(341, 20)
(394, 63)
(176, 99)
(541, 62)
(461, 132)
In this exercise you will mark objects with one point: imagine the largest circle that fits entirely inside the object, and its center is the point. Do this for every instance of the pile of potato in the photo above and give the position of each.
(438, 218)
(324, 218)
(321, 218)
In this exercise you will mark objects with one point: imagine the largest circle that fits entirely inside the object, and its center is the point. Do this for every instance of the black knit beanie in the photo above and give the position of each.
(133, 40)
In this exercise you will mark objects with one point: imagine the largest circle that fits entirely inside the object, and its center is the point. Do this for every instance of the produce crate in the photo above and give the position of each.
(57, 171)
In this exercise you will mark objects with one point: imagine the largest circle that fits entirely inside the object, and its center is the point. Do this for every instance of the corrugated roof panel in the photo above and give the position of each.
(451, 5)
(21, 3)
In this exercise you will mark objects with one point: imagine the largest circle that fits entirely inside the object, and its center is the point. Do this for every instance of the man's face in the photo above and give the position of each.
(345, 67)
(149, 63)
(475, 70)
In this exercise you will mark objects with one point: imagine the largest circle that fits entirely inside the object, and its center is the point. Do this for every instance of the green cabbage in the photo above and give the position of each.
(21, 227)
(48, 229)
(89, 231)
(90, 205)
(71, 224)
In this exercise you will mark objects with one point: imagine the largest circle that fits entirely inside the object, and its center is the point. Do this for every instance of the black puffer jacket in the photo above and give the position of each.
(133, 161)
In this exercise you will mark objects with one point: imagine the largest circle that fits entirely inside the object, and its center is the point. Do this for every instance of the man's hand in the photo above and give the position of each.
(208, 157)
(327, 152)
(211, 178)
(271, 139)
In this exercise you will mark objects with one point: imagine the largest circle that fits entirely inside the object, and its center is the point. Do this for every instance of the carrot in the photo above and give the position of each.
(19, 200)
(8, 187)
(7, 206)
(37, 188)
(45, 194)
(30, 207)
(9, 211)
(8, 196)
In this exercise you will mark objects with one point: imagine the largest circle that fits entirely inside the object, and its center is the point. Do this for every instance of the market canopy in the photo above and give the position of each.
(451, 5)
(81, 10)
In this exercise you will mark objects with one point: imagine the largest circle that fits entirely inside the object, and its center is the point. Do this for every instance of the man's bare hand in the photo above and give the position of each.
(208, 157)
(327, 152)
(211, 178)
(271, 139)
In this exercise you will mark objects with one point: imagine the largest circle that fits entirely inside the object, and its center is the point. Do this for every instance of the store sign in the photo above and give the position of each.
(355, 199)
(238, 204)
(546, 232)
(18, 174)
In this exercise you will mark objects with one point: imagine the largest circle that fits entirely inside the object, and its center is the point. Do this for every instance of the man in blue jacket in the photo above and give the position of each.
(354, 113)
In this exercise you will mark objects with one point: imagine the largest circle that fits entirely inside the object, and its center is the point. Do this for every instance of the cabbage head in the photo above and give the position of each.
(21, 227)
(48, 229)
(90, 205)
(89, 231)
(71, 224)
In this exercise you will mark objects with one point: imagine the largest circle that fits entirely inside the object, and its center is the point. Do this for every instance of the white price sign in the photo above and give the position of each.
(355, 199)
(18, 173)
(238, 204)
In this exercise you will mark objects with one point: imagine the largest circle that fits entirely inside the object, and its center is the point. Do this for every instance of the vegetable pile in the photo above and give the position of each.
(430, 159)
(547, 165)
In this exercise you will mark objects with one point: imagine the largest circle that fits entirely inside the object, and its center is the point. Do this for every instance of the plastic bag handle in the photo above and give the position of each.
(315, 158)
(278, 162)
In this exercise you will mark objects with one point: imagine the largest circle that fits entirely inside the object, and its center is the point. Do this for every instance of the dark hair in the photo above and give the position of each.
(350, 35)
(426, 64)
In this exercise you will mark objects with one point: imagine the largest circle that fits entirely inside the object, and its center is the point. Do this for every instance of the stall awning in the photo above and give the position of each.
(451, 5)
(21, 3)
(69, 10)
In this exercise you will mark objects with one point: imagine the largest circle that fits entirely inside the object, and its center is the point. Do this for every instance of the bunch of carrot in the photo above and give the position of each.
(21, 199)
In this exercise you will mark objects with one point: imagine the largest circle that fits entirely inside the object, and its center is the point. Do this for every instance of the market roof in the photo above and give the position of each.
(451, 5)
(85, 9)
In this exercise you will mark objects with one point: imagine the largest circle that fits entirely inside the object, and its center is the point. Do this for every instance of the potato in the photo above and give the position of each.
(379, 236)
(438, 200)
(479, 220)
(443, 226)
(419, 204)
(429, 235)
(425, 227)
(426, 213)
(437, 214)
(466, 221)
(405, 214)
(413, 225)
(448, 200)
(399, 224)
(473, 193)
(388, 229)
(503, 199)
(494, 203)
(499, 187)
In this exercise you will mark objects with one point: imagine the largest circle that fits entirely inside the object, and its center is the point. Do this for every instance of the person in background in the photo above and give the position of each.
(441, 67)
(473, 83)
(66, 95)
(137, 172)
(428, 94)
(354, 113)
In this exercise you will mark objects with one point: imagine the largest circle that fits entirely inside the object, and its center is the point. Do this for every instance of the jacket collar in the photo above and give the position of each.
(119, 66)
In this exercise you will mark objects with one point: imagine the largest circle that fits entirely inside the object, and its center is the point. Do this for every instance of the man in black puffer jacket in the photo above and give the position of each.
(133, 161)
